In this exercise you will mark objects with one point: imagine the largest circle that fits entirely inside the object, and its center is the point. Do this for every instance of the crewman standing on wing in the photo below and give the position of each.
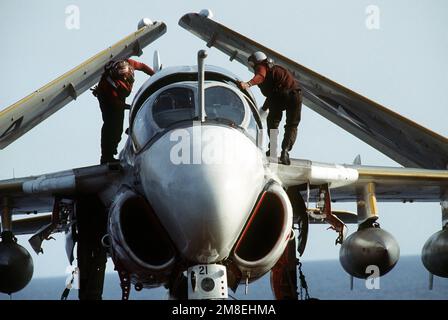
(282, 92)
(112, 90)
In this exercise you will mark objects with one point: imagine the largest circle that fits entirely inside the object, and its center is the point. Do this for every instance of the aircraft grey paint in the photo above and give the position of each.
(171, 211)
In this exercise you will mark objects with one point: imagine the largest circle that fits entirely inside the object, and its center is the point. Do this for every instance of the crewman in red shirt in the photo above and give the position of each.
(112, 90)
(282, 92)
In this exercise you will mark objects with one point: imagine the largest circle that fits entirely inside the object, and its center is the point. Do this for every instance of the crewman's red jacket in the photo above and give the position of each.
(273, 80)
(111, 89)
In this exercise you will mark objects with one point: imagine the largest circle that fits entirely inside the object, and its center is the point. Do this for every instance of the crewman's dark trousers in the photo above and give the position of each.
(291, 101)
(91, 218)
(112, 111)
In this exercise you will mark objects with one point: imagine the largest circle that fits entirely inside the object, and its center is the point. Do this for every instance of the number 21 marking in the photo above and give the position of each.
(203, 270)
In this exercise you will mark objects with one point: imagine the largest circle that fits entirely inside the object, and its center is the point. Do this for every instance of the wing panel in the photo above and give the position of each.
(397, 184)
(391, 184)
(36, 194)
(397, 137)
(25, 114)
(30, 225)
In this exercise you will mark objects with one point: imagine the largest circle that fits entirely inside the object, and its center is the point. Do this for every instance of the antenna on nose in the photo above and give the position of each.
(157, 64)
(202, 54)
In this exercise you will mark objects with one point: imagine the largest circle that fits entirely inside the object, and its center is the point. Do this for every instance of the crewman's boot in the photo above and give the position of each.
(107, 159)
(284, 158)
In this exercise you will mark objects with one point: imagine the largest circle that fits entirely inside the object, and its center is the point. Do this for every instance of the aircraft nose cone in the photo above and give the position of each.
(203, 182)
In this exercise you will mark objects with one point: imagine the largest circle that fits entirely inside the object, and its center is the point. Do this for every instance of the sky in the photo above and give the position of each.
(398, 61)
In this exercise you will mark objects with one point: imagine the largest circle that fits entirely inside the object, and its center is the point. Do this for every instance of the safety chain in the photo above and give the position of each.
(66, 291)
(125, 280)
(125, 283)
(303, 284)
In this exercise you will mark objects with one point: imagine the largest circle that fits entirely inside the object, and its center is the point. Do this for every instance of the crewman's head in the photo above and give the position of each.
(256, 57)
(123, 70)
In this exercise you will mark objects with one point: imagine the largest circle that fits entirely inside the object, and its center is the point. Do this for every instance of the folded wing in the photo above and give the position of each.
(25, 114)
(402, 140)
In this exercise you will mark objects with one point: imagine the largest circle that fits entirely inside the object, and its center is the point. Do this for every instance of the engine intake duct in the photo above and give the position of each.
(266, 233)
(263, 229)
(143, 232)
(138, 239)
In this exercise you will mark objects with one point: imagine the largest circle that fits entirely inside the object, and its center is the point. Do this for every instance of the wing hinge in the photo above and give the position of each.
(71, 90)
(60, 216)
(323, 211)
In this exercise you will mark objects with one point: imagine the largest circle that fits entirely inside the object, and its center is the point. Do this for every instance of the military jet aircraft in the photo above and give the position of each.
(194, 204)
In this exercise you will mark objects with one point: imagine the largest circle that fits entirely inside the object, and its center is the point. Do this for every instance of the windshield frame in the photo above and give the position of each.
(151, 125)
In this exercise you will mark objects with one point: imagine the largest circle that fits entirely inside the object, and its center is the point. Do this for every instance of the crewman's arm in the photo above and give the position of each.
(141, 67)
(260, 74)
